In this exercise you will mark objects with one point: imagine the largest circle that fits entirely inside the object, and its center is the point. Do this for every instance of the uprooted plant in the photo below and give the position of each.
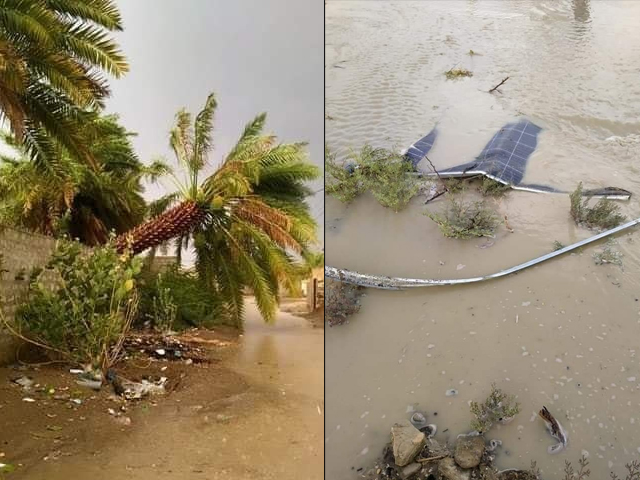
(466, 220)
(498, 407)
(85, 318)
(454, 73)
(383, 172)
(342, 301)
(343, 182)
(608, 254)
(491, 188)
(603, 215)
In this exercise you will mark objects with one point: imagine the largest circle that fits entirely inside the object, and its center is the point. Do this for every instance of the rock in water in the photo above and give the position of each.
(410, 470)
(407, 442)
(488, 473)
(513, 474)
(469, 451)
(448, 470)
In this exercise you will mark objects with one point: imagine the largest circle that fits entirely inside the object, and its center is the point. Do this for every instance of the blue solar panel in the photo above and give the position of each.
(505, 156)
(419, 150)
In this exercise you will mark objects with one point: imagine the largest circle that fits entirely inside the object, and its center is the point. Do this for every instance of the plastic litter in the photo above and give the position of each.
(25, 382)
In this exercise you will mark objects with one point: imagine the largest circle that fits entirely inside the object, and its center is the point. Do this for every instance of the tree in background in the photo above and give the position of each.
(54, 55)
(70, 197)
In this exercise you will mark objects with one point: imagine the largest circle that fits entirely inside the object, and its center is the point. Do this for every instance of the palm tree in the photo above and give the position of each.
(53, 58)
(84, 202)
(246, 220)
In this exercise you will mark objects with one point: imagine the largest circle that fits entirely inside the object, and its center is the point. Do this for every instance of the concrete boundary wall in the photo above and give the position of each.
(20, 253)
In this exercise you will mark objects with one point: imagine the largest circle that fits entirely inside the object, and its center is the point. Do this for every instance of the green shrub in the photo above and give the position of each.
(194, 305)
(604, 215)
(385, 173)
(492, 188)
(86, 318)
(466, 220)
(342, 183)
(498, 407)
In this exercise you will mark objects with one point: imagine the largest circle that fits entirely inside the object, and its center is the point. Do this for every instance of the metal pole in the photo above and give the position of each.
(397, 283)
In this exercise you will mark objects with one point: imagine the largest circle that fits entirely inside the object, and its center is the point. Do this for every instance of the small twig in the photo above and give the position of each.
(435, 196)
(506, 224)
(437, 174)
(500, 84)
(431, 459)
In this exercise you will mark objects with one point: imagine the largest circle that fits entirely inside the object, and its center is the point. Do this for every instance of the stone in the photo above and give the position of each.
(407, 442)
(513, 474)
(487, 473)
(410, 470)
(448, 470)
(469, 450)
(434, 448)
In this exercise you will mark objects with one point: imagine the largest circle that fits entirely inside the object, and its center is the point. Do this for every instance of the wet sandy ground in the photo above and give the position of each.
(562, 334)
(256, 412)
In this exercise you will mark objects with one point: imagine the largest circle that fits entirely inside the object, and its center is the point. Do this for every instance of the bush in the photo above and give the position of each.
(498, 407)
(86, 318)
(466, 220)
(492, 188)
(385, 173)
(192, 303)
(604, 215)
(342, 182)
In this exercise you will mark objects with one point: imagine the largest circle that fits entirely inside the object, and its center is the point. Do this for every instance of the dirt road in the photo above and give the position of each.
(257, 412)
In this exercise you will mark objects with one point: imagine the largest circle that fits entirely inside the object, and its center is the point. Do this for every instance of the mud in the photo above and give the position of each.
(562, 334)
(254, 411)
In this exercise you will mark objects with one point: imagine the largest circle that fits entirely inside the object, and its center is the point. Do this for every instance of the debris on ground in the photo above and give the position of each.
(169, 347)
(557, 246)
(457, 73)
(25, 382)
(498, 407)
(412, 454)
(465, 220)
(342, 301)
(555, 430)
(603, 215)
(135, 390)
(608, 254)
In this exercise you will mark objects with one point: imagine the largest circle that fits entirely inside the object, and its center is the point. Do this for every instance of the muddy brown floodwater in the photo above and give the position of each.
(564, 334)
(256, 412)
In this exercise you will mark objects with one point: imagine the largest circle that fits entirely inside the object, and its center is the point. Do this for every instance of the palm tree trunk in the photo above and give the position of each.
(173, 223)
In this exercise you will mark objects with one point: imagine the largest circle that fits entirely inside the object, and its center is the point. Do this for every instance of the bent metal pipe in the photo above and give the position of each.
(397, 283)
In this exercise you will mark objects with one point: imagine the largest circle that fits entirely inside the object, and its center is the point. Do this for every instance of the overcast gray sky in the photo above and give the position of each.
(256, 55)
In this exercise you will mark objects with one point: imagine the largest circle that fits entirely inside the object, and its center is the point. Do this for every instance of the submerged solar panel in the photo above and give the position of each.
(505, 157)
(419, 150)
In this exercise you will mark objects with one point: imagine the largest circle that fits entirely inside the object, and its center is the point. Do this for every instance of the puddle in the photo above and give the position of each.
(562, 334)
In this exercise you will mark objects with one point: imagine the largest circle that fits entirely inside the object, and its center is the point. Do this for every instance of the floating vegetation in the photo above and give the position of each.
(498, 407)
(342, 301)
(466, 220)
(453, 184)
(603, 215)
(492, 188)
(558, 246)
(383, 172)
(341, 182)
(473, 54)
(458, 73)
(608, 255)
